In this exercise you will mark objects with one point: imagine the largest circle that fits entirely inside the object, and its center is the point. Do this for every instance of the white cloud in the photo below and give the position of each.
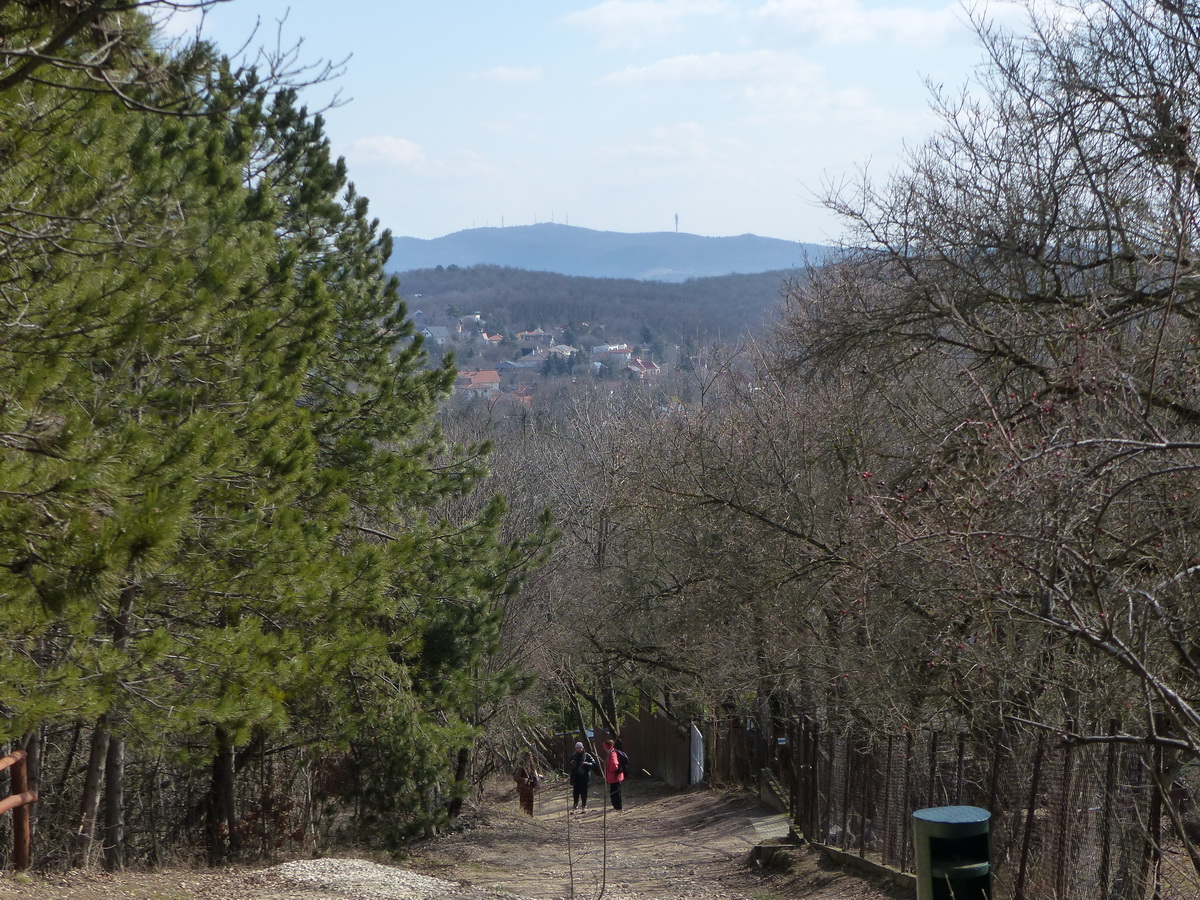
(471, 164)
(755, 65)
(392, 150)
(632, 22)
(1016, 16)
(848, 22)
(684, 140)
(511, 74)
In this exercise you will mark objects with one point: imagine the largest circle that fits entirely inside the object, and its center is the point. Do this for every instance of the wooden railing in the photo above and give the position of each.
(18, 801)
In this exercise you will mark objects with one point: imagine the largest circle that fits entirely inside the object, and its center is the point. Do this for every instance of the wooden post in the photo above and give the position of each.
(18, 801)
(21, 837)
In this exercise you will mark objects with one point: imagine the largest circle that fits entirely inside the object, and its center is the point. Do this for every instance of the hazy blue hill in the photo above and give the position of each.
(568, 250)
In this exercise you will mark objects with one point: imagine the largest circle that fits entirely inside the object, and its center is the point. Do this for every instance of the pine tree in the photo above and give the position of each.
(417, 603)
(222, 520)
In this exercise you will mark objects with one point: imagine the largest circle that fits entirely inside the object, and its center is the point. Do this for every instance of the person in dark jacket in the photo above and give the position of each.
(613, 776)
(580, 769)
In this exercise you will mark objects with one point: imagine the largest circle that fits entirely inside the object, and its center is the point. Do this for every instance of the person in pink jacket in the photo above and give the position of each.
(613, 776)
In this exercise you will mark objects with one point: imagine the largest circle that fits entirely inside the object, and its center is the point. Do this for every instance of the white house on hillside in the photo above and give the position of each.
(614, 354)
(436, 334)
(643, 369)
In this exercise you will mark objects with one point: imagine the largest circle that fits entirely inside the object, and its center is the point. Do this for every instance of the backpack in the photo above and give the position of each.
(622, 763)
(582, 765)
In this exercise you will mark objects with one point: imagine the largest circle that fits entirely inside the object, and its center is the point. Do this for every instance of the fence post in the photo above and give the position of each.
(816, 816)
(1110, 795)
(931, 796)
(21, 836)
(794, 765)
(800, 815)
(1019, 894)
(830, 786)
(810, 780)
(1154, 838)
(1064, 802)
(18, 801)
(958, 775)
(847, 777)
(888, 832)
(905, 807)
(865, 770)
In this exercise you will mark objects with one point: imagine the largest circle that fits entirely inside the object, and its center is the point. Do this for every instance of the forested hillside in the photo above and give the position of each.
(658, 256)
(721, 308)
(240, 592)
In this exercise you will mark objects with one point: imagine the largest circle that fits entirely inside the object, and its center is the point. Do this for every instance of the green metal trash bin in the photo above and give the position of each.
(953, 853)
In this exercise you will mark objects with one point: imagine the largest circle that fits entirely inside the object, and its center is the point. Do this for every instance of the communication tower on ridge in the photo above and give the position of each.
(677, 223)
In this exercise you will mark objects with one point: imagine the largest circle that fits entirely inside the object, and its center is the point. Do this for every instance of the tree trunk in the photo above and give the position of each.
(221, 831)
(33, 768)
(68, 766)
(608, 705)
(85, 832)
(114, 805)
(461, 768)
(114, 766)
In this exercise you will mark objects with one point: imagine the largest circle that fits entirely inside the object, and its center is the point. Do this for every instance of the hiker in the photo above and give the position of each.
(580, 770)
(614, 772)
(527, 777)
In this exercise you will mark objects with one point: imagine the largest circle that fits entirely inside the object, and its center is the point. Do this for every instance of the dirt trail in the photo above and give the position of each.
(665, 844)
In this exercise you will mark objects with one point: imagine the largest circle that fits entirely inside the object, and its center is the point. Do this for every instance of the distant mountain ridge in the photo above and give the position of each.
(570, 250)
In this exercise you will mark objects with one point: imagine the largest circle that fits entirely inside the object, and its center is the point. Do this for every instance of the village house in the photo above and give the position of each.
(530, 362)
(616, 355)
(436, 334)
(643, 369)
(477, 381)
(537, 336)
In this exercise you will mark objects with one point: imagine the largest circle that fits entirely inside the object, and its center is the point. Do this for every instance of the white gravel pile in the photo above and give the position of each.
(361, 879)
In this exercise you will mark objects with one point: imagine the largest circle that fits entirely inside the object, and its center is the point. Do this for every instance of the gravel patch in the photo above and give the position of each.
(362, 879)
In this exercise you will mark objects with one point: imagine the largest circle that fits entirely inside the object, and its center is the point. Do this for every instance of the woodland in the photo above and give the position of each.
(264, 582)
(699, 311)
(956, 486)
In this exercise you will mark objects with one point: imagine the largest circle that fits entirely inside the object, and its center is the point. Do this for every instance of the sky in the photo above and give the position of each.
(619, 115)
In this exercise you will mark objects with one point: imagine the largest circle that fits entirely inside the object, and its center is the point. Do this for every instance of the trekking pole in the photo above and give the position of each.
(603, 845)
(570, 857)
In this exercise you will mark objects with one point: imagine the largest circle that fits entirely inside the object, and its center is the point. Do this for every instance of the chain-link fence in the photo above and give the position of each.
(1083, 818)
